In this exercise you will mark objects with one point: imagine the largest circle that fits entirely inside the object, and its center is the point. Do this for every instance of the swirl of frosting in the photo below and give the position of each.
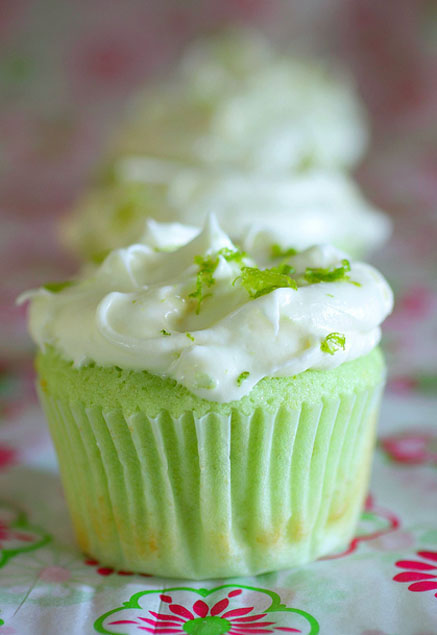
(206, 316)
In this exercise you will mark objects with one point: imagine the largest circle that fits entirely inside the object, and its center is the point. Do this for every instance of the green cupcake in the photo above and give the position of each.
(295, 210)
(262, 138)
(212, 418)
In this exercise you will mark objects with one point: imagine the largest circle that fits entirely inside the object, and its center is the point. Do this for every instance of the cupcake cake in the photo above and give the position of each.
(259, 214)
(234, 100)
(258, 137)
(212, 417)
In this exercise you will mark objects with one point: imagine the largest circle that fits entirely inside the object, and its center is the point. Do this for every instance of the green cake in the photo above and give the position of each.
(161, 481)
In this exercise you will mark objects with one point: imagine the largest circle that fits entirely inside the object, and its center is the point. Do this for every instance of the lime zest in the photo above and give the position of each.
(332, 343)
(205, 278)
(98, 257)
(242, 376)
(190, 337)
(207, 266)
(259, 282)
(328, 274)
(232, 254)
(306, 162)
(164, 332)
(276, 251)
(56, 287)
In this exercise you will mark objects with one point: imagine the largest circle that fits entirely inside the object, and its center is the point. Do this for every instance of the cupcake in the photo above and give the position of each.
(259, 214)
(212, 417)
(258, 137)
(235, 100)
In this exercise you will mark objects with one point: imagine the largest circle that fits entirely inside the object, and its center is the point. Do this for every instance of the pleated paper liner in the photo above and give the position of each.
(216, 495)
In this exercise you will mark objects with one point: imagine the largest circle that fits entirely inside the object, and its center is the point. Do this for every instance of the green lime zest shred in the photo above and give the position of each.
(232, 254)
(306, 162)
(276, 251)
(332, 343)
(190, 337)
(329, 274)
(205, 278)
(164, 332)
(242, 376)
(98, 257)
(207, 266)
(259, 282)
(56, 287)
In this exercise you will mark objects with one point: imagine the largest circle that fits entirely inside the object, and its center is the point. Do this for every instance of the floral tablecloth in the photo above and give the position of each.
(68, 68)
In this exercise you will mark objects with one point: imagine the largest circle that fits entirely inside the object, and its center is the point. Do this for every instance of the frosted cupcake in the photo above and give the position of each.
(233, 100)
(213, 418)
(259, 214)
(251, 134)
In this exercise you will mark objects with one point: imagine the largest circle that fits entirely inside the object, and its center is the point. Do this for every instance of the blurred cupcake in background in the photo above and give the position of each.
(235, 101)
(262, 215)
(260, 138)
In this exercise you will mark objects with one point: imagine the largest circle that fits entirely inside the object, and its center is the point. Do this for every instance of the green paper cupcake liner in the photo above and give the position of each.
(217, 495)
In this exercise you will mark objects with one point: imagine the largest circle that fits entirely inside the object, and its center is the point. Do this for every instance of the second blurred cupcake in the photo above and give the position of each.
(234, 100)
(260, 138)
(263, 216)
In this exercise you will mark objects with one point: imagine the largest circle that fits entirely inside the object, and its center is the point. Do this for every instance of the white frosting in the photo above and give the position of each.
(233, 100)
(287, 113)
(116, 317)
(167, 236)
(315, 206)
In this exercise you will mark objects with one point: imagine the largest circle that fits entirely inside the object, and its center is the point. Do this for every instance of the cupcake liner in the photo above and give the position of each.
(217, 495)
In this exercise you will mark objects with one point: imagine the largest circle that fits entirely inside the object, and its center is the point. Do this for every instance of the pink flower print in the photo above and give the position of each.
(8, 456)
(47, 160)
(107, 61)
(7, 630)
(9, 535)
(412, 448)
(107, 571)
(10, 14)
(215, 619)
(113, 61)
(376, 522)
(16, 535)
(414, 305)
(422, 573)
(402, 385)
(226, 610)
(391, 95)
(417, 302)
(55, 575)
